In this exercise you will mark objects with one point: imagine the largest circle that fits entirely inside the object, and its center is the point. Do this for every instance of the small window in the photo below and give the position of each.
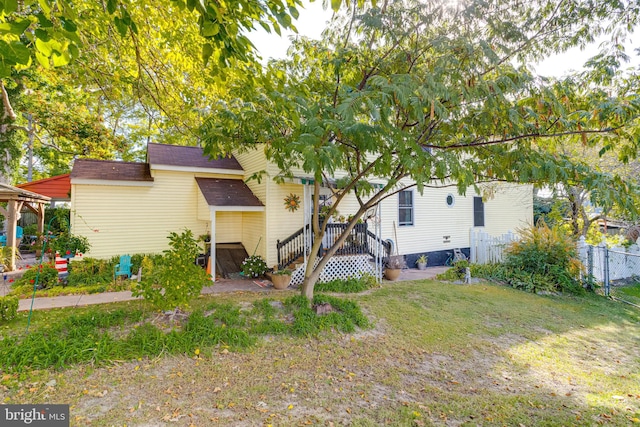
(405, 207)
(478, 212)
(451, 200)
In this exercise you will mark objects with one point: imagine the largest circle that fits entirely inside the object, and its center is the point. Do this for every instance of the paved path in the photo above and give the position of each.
(222, 285)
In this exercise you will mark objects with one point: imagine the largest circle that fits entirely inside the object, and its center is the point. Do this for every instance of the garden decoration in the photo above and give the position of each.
(254, 265)
(280, 278)
(292, 202)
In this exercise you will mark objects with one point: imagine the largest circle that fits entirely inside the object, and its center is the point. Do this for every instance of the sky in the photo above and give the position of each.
(313, 19)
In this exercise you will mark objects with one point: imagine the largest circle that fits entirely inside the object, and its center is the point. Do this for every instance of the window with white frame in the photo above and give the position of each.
(405, 208)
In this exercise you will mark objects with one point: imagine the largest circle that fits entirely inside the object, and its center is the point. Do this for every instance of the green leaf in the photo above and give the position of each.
(69, 25)
(112, 5)
(15, 27)
(5, 70)
(121, 26)
(42, 35)
(44, 5)
(335, 5)
(207, 51)
(14, 53)
(74, 51)
(43, 60)
(10, 6)
(44, 21)
(210, 29)
(44, 47)
(61, 59)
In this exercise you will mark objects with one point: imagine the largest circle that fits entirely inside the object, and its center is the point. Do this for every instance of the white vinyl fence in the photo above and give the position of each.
(487, 249)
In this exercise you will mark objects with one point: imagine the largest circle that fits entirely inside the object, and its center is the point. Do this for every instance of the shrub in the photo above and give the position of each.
(8, 308)
(90, 271)
(545, 259)
(350, 285)
(70, 244)
(254, 266)
(174, 279)
(456, 272)
(45, 275)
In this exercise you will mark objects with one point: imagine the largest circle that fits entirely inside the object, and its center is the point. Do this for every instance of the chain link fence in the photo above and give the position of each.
(615, 272)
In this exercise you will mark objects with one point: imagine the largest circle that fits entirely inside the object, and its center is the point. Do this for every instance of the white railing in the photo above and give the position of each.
(487, 249)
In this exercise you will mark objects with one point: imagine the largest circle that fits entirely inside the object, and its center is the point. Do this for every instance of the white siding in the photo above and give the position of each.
(440, 227)
(510, 209)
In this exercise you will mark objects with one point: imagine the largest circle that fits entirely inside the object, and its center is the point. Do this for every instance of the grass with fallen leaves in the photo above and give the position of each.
(437, 354)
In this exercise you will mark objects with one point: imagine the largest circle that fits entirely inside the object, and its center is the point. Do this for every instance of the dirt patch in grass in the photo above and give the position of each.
(436, 355)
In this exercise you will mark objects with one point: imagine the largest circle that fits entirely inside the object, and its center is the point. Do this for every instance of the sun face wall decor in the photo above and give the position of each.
(292, 202)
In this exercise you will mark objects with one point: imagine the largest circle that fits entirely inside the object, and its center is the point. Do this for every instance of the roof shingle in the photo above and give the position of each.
(227, 192)
(110, 170)
(177, 155)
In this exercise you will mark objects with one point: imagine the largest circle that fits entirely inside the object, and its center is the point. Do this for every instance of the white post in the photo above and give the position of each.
(472, 242)
(306, 219)
(212, 249)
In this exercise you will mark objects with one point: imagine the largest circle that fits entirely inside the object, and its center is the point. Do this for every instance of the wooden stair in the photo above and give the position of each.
(229, 257)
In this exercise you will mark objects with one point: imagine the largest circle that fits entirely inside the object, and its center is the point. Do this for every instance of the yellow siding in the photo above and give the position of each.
(253, 234)
(281, 223)
(252, 162)
(121, 219)
(204, 214)
(229, 227)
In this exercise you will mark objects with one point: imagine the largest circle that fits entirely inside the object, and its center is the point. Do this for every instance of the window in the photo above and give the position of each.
(451, 200)
(478, 212)
(405, 207)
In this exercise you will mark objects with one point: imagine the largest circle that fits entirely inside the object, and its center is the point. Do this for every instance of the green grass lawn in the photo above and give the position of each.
(432, 354)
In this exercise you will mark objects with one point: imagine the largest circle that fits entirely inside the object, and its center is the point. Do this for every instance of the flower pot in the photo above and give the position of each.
(422, 265)
(392, 273)
(280, 281)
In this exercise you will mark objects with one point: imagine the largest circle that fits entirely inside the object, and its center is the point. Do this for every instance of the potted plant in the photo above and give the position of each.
(253, 266)
(393, 267)
(68, 245)
(36, 245)
(280, 278)
(421, 262)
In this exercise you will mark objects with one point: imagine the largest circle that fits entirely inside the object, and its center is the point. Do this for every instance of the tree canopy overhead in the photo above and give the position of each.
(439, 92)
(147, 69)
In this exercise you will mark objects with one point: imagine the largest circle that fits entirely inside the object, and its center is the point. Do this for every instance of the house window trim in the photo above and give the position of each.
(453, 200)
(475, 212)
(412, 209)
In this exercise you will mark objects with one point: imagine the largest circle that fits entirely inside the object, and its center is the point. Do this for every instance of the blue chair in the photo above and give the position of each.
(123, 268)
(19, 234)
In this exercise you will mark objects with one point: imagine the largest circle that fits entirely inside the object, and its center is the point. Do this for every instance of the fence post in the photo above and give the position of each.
(607, 289)
(472, 244)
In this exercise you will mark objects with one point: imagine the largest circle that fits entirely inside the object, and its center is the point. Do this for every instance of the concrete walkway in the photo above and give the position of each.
(222, 285)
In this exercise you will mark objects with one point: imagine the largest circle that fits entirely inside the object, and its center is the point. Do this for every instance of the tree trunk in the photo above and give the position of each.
(311, 275)
(7, 145)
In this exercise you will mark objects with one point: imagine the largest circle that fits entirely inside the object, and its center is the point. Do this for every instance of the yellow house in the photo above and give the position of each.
(131, 208)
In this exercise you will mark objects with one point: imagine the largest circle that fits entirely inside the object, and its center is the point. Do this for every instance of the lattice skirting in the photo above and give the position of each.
(338, 267)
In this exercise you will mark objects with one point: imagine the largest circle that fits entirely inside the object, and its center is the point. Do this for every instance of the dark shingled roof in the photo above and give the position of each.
(176, 155)
(110, 170)
(227, 192)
